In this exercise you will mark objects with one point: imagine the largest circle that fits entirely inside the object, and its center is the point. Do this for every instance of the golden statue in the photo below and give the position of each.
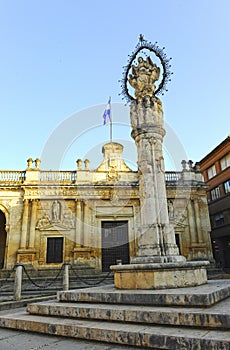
(143, 77)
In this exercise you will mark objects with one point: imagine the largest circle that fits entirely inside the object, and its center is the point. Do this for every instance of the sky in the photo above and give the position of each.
(61, 60)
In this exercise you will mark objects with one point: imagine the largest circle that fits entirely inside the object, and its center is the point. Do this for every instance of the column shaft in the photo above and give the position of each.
(198, 222)
(33, 223)
(78, 235)
(24, 224)
(191, 219)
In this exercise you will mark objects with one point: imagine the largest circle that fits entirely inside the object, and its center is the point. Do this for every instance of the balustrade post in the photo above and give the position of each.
(18, 282)
(66, 276)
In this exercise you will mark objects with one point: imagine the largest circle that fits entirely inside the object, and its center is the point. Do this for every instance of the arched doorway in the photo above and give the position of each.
(2, 238)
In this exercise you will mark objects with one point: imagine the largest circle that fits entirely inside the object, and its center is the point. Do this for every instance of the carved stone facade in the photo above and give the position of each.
(51, 217)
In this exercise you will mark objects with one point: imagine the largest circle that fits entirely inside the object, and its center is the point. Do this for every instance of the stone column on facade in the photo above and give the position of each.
(191, 220)
(198, 221)
(33, 223)
(24, 224)
(86, 231)
(78, 236)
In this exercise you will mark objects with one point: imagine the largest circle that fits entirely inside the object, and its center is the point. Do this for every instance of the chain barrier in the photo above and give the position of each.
(47, 285)
(9, 273)
(86, 282)
(44, 286)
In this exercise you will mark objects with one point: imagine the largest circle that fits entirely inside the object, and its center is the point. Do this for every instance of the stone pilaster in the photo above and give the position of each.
(33, 223)
(78, 236)
(191, 219)
(26, 254)
(24, 224)
(82, 250)
(198, 223)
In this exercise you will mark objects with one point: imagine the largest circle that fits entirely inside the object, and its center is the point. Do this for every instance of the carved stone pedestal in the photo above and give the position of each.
(82, 253)
(160, 276)
(26, 256)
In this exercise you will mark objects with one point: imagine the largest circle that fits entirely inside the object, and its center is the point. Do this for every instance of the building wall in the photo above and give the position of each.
(40, 205)
(218, 194)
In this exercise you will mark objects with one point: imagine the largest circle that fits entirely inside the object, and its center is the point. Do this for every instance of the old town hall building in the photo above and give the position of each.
(91, 216)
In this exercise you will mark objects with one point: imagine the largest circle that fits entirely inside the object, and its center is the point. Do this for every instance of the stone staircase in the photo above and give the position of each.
(182, 318)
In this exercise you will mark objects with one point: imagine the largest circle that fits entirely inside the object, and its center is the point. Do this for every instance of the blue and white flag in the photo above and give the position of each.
(107, 113)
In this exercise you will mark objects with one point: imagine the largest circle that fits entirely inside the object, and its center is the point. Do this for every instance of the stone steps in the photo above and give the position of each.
(144, 336)
(195, 317)
(201, 296)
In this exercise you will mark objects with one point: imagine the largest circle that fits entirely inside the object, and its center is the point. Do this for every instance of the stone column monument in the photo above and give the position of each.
(158, 263)
(156, 235)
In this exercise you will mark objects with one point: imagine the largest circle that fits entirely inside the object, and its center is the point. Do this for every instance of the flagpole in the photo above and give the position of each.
(111, 124)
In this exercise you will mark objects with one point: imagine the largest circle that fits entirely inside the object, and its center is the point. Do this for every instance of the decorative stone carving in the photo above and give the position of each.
(58, 219)
(29, 163)
(170, 210)
(86, 162)
(112, 175)
(37, 163)
(56, 211)
(113, 158)
(79, 164)
(43, 222)
(143, 77)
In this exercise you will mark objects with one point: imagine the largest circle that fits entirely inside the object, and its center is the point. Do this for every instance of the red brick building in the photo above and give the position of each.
(215, 167)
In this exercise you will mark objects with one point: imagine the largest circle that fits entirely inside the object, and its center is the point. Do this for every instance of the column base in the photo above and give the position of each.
(82, 253)
(26, 256)
(160, 275)
(158, 259)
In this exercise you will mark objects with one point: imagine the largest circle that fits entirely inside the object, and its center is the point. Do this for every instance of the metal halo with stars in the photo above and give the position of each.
(165, 62)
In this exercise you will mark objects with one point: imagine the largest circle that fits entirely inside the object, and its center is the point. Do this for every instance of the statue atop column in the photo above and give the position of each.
(143, 77)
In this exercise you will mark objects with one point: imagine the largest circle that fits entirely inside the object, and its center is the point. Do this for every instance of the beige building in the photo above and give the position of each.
(92, 216)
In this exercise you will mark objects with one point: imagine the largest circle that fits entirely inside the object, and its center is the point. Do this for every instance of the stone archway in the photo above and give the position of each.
(2, 238)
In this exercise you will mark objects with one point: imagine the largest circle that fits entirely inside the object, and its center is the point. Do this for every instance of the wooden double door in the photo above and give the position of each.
(115, 243)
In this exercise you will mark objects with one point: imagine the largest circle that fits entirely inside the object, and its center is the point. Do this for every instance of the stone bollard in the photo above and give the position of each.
(18, 282)
(66, 276)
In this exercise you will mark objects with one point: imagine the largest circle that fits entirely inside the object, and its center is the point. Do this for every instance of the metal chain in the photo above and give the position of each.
(43, 286)
(90, 284)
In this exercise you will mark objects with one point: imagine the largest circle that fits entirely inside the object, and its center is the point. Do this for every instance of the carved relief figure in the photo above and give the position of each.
(67, 220)
(43, 222)
(56, 211)
(170, 209)
(143, 77)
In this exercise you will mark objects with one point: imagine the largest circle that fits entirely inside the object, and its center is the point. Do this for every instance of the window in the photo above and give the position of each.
(211, 171)
(227, 186)
(54, 252)
(225, 162)
(219, 219)
(215, 193)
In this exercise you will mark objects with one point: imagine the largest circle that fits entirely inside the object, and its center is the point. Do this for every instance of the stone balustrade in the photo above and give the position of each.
(12, 176)
(63, 176)
(58, 176)
(172, 176)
